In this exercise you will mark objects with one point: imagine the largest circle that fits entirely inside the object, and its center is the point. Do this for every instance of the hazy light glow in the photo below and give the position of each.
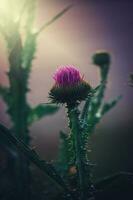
(10, 10)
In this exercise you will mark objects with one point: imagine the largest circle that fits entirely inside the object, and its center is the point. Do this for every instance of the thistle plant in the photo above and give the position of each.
(21, 52)
(71, 172)
(70, 89)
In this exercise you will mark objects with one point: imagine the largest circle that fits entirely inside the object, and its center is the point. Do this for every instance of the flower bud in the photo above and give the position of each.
(101, 58)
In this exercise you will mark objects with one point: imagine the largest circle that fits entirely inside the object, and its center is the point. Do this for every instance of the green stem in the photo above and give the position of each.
(78, 148)
(85, 108)
(18, 110)
(96, 101)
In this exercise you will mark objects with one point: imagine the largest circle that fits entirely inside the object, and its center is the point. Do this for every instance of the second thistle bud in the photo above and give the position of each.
(101, 58)
(69, 86)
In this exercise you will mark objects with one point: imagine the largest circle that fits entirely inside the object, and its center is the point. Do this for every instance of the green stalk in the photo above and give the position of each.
(96, 101)
(76, 132)
(18, 109)
(20, 61)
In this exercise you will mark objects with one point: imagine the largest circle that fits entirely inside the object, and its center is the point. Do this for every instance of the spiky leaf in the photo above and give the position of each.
(108, 106)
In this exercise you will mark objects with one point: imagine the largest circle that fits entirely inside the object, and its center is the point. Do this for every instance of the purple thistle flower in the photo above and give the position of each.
(67, 76)
(69, 86)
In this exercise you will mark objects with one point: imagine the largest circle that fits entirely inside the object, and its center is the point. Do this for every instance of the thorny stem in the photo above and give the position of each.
(18, 109)
(96, 101)
(76, 131)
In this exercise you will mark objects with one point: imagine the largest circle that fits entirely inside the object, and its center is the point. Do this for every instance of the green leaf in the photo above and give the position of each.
(108, 106)
(60, 14)
(31, 155)
(40, 111)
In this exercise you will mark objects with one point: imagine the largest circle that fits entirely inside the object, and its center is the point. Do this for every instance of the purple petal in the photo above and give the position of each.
(67, 76)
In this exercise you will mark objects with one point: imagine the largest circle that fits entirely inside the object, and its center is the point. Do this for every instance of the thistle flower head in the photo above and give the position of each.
(67, 76)
(69, 86)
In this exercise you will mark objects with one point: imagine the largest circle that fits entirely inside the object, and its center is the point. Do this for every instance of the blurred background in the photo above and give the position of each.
(89, 26)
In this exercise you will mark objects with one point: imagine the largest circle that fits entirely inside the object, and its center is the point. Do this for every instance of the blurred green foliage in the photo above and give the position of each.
(16, 18)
